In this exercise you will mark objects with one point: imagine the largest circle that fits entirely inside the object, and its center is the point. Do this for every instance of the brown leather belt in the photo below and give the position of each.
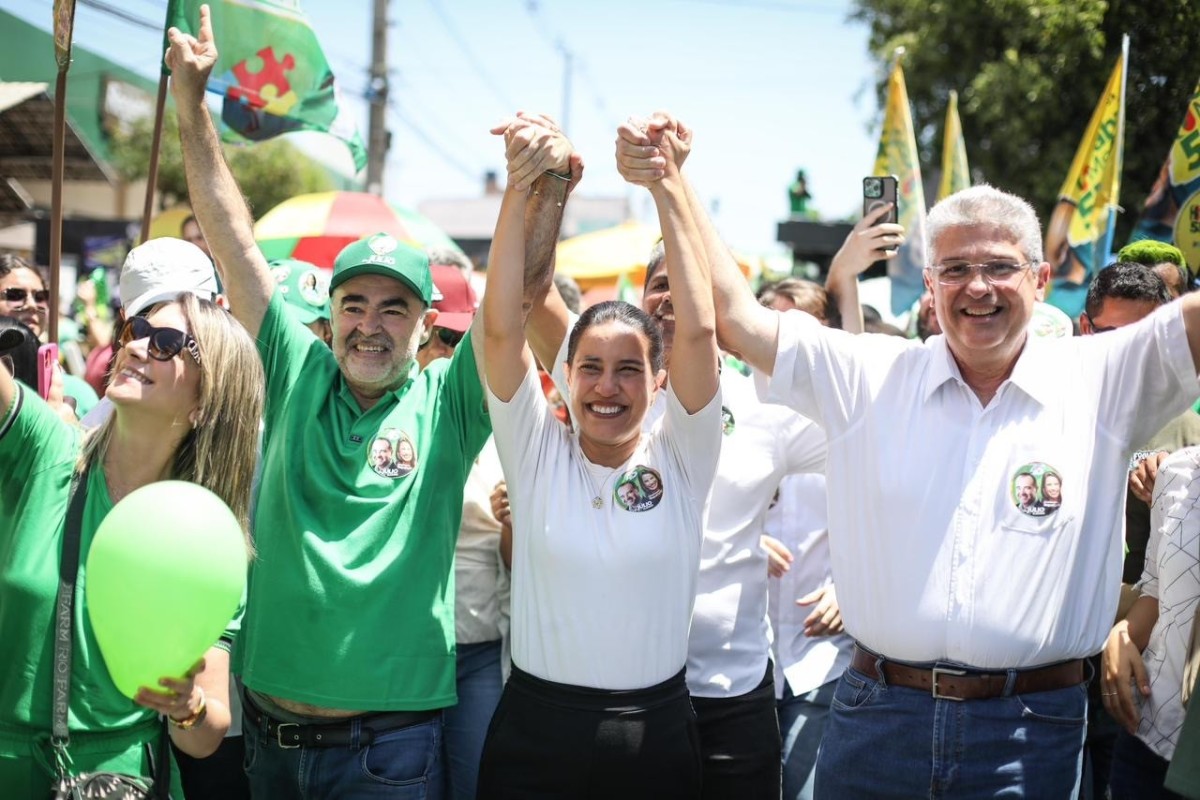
(950, 683)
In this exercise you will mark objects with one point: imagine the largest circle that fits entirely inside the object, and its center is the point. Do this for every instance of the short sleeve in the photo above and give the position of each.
(285, 346)
(821, 372)
(464, 392)
(1149, 375)
(33, 441)
(520, 426)
(32, 438)
(694, 441)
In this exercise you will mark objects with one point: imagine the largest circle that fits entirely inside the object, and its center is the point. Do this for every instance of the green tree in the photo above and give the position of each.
(268, 172)
(1029, 74)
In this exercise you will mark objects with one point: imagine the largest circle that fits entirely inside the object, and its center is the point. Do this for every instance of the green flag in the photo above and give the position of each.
(271, 73)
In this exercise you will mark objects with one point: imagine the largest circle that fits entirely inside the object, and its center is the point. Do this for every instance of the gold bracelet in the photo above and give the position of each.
(192, 720)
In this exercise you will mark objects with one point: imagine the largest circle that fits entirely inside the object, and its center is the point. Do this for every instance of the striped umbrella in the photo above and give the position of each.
(315, 227)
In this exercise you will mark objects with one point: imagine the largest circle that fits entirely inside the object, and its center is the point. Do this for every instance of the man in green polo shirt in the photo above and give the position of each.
(347, 646)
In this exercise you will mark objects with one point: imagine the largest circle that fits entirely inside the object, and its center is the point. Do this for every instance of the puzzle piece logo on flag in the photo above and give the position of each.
(260, 95)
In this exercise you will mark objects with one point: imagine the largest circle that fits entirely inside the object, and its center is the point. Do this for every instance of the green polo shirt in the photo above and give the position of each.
(37, 458)
(351, 601)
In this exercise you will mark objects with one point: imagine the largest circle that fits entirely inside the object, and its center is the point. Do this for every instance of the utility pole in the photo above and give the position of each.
(378, 138)
(566, 98)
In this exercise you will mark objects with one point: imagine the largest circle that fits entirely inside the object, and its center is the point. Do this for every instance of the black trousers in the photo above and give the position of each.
(552, 740)
(740, 745)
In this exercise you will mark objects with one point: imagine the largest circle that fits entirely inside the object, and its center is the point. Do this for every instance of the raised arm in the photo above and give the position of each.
(693, 371)
(216, 199)
(867, 243)
(743, 325)
(535, 147)
(506, 358)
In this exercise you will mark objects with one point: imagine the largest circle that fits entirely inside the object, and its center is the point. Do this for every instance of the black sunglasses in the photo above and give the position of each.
(15, 294)
(449, 338)
(165, 343)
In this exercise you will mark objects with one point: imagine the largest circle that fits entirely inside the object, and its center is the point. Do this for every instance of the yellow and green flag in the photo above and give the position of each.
(271, 73)
(1079, 235)
(956, 176)
(898, 156)
(1172, 210)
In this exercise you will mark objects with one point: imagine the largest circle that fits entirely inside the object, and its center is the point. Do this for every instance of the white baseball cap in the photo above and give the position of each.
(162, 269)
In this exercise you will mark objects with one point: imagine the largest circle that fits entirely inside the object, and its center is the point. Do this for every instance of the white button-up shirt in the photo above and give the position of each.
(931, 555)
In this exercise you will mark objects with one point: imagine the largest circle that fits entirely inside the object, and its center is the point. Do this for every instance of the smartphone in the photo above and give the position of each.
(880, 189)
(47, 357)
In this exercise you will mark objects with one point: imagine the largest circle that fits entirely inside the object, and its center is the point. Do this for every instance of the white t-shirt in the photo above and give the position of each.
(1172, 574)
(933, 557)
(604, 559)
(798, 519)
(730, 640)
(481, 590)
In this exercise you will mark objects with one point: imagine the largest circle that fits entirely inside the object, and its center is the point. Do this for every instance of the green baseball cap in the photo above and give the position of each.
(382, 254)
(304, 287)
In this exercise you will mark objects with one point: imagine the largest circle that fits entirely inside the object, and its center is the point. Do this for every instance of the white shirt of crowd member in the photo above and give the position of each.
(974, 408)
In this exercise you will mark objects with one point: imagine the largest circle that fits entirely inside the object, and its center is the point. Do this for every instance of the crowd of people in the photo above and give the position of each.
(520, 548)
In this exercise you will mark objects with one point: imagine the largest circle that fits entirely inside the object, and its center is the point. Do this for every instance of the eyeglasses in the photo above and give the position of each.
(165, 343)
(956, 273)
(15, 294)
(449, 338)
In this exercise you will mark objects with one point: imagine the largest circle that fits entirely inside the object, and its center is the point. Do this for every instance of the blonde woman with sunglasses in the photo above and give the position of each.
(187, 391)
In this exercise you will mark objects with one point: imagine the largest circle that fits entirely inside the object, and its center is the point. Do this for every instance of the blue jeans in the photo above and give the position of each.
(894, 742)
(404, 764)
(1137, 771)
(802, 724)
(480, 683)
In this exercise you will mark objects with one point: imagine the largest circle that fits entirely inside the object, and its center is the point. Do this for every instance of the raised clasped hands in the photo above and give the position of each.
(535, 144)
(649, 150)
(191, 60)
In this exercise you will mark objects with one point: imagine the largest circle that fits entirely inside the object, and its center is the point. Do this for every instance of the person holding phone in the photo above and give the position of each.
(603, 583)
(187, 392)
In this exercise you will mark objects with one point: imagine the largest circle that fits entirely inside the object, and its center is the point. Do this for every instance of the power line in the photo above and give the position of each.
(433, 144)
(767, 5)
(469, 52)
(119, 13)
(558, 43)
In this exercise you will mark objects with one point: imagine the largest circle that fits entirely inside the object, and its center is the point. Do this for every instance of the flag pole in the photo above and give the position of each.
(64, 23)
(1110, 233)
(156, 142)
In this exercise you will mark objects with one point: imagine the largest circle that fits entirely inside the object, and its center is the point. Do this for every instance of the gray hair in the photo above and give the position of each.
(568, 289)
(986, 205)
(449, 258)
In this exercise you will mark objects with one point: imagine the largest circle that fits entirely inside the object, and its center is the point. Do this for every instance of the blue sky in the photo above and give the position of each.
(770, 86)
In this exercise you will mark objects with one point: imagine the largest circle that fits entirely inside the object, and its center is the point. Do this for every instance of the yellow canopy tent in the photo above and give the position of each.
(599, 258)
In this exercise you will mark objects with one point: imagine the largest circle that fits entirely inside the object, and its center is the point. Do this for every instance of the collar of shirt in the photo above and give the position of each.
(350, 400)
(1032, 362)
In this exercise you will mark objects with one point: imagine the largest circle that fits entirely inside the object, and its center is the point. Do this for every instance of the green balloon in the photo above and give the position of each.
(165, 574)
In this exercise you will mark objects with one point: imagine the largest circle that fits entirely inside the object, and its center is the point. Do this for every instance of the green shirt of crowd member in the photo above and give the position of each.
(108, 730)
(351, 601)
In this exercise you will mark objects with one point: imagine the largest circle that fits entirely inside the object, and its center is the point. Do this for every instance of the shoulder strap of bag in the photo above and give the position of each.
(64, 616)
(64, 639)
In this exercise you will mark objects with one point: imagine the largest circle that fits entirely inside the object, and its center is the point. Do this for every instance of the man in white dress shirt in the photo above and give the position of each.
(972, 618)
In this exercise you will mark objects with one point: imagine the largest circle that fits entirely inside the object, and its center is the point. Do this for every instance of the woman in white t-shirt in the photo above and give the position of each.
(607, 526)
(1143, 690)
